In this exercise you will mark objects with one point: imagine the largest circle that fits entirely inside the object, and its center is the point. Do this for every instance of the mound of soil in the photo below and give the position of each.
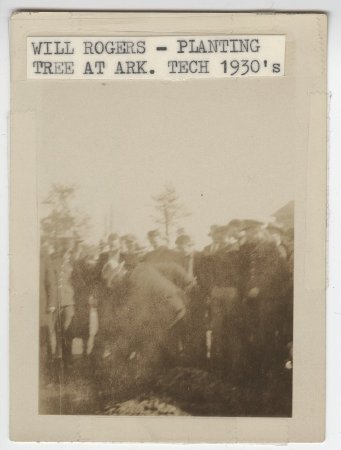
(151, 406)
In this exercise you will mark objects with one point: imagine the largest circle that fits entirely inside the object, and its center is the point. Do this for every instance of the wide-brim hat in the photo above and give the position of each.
(234, 223)
(183, 239)
(113, 237)
(221, 230)
(154, 233)
(130, 238)
(249, 224)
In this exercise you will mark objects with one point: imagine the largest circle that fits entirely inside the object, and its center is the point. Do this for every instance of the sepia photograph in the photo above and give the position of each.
(168, 227)
(166, 250)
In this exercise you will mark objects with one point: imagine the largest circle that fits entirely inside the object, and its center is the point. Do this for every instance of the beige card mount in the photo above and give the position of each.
(168, 214)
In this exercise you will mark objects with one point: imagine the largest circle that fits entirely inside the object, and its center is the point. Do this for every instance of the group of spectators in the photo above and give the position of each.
(229, 305)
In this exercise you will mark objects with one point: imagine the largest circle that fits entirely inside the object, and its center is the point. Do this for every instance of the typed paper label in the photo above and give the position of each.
(157, 57)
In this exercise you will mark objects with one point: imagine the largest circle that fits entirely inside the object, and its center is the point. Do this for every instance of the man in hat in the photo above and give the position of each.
(155, 240)
(112, 249)
(133, 253)
(114, 268)
(108, 292)
(194, 335)
(160, 252)
(205, 272)
(224, 297)
(218, 235)
(185, 254)
(265, 281)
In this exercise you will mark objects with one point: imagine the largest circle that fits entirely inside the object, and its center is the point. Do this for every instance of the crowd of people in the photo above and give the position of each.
(228, 306)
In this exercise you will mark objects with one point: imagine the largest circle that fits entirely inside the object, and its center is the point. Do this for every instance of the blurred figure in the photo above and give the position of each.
(159, 290)
(109, 273)
(180, 231)
(155, 240)
(131, 243)
(90, 326)
(114, 267)
(113, 240)
(133, 253)
(205, 272)
(266, 297)
(194, 323)
(177, 267)
(47, 304)
(234, 231)
(83, 284)
(160, 252)
(218, 236)
(252, 231)
(275, 231)
(185, 253)
(62, 313)
(224, 298)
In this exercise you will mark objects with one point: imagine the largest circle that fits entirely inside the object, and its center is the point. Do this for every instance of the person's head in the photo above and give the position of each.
(233, 230)
(180, 232)
(184, 244)
(154, 238)
(275, 232)
(253, 229)
(113, 243)
(215, 234)
(130, 242)
(219, 234)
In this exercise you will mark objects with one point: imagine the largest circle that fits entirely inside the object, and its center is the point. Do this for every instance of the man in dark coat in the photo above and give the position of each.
(47, 305)
(197, 265)
(133, 253)
(218, 236)
(150, 316)
(224, 300)
(266, 283)
(184, 253)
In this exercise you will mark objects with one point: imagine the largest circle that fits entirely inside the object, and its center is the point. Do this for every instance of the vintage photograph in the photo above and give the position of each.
(166, 251)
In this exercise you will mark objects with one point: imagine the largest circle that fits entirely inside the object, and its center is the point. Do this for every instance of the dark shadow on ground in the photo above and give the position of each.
(180, 390)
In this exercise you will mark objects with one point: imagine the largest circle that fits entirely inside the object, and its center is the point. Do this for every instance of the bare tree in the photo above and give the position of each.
(169, 210)
(62, 216)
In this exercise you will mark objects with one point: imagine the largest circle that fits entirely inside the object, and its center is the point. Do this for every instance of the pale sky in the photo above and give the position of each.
(222, 144)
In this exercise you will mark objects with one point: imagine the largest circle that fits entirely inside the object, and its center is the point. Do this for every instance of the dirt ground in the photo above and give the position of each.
(176, 390)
